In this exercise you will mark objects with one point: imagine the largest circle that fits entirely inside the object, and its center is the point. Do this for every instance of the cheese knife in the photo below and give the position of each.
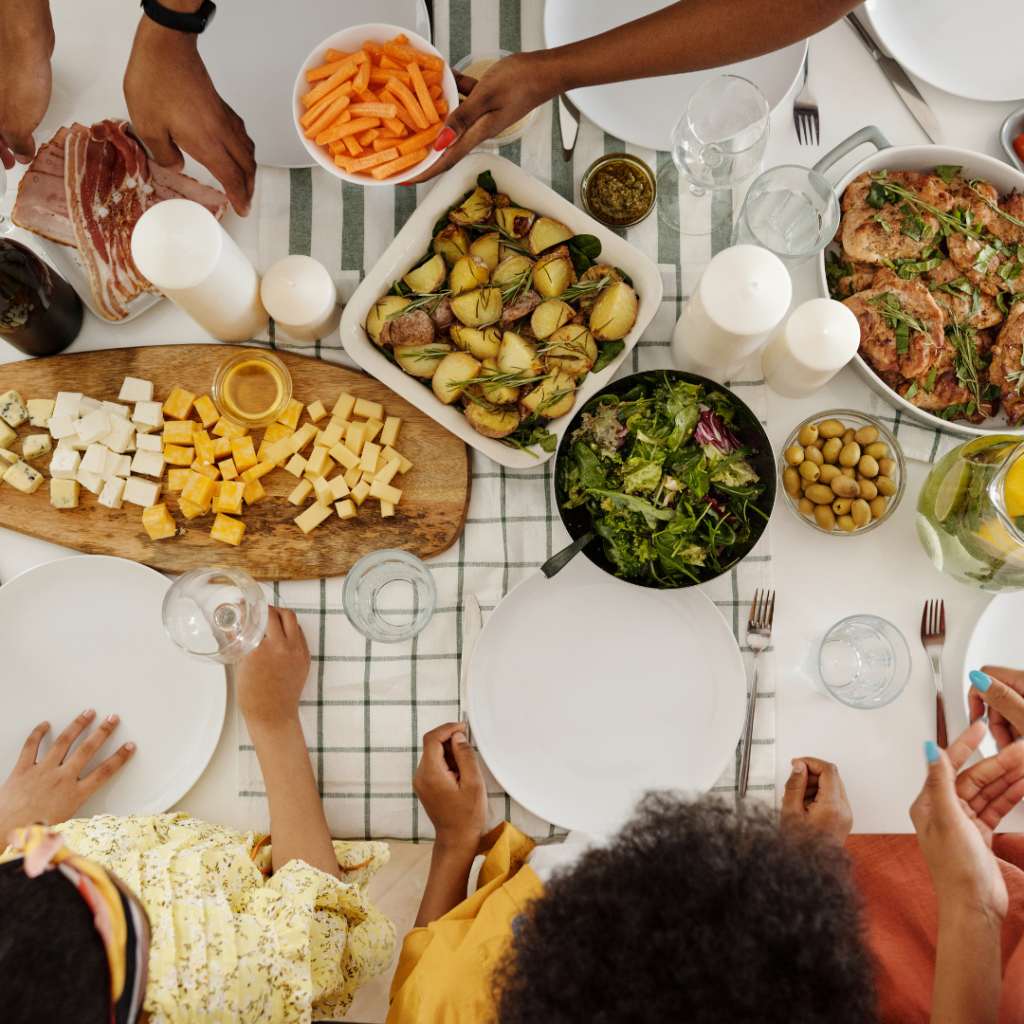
(569, 123)
(472, 623)
(901, 82)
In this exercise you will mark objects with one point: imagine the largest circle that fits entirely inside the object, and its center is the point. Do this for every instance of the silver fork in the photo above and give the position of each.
(933, 636)
(759, 632)
(805, 113)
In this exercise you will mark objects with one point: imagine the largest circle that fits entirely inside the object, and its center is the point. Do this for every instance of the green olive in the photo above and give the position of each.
(849, 471)
(841, 506)
(828, 473)
(808, 435)
(830, 428)
(833, 446)
(849, 435)
(866, 435)
(824, 517)
(861, 512)
(877, 506)
(850, 455)
(806, 506)
(809, 471)
(846, 523)
(813, 454)
(867, 467)
(794, 455)
(820, 443)
(844, 487)
(791, 482)
(878, 450)
(886, 487)
(887, 466)
(868, 490)
(820, 494)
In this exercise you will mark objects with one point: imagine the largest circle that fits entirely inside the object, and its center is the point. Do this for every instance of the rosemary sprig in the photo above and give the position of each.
(577, 291)
(419, 302)
(507, 240)
(1016, 379)
(958, 222)
(511, 291)
(973, 186)
(493, 381)
(966, 360)
(554, 398)
(898, 321)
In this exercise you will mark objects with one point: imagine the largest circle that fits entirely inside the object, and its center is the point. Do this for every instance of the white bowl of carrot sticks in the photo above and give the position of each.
(370, 101)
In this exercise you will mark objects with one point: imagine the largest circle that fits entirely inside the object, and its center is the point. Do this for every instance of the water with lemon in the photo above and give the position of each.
(970, 515)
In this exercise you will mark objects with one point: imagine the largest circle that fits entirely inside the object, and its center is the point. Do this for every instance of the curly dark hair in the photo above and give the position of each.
(694, 913)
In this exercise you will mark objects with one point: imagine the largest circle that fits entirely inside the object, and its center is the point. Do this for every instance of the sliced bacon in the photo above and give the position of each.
(174, 185)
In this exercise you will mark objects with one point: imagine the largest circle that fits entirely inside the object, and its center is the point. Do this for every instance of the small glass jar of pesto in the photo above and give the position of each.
(619, 190)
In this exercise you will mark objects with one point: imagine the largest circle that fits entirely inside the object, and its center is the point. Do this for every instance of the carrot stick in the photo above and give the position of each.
(441, 106)
(383, 143)
(381, 110)
(406, 54)
(364, 163)
(333, 55)
(386, 170)
(352, 146)
(402, 39)
(375, 50)
(422, 94)
(356, 126)
(420, 139)
(382, 75)
(321, 105)
(406, 98)
(363, 78)
(324, 71)
(432, 77)
(367, 137)
(327, 118)
(391, 64)
(345, 72)
(434, 90)
(402, 115)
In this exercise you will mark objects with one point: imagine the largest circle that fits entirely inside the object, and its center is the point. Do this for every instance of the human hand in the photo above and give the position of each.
(1000, 693)
(815, 797)
(26, 38)
(451, 786)
(174, 106)
(50, 789)
(269, 682)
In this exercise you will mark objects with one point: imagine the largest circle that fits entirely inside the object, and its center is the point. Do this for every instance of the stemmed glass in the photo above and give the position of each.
(717, 144)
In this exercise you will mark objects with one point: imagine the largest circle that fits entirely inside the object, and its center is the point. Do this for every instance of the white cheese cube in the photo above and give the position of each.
(150, 443)
(90, 481)
(64, 493)
(87, 405)
(112, 495)
(62, 426)
(148, 463)
(135, 390)
(23, 477)
(117, 465)
(149, 414)
(36, 445)
(72, 442)
(7, 458)
(7, 436)
(64, 464)
(131, 446)
(12, 409)
(95, 459)
(141, 492)
(93, 427)
(120, 435)
(67, 404)
(39, 411)
(113, 409)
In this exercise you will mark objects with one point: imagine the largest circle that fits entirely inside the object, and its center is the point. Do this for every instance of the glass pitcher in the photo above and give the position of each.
(970, 515)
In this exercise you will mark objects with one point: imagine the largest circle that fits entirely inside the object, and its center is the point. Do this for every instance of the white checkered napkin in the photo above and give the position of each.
(919, 441)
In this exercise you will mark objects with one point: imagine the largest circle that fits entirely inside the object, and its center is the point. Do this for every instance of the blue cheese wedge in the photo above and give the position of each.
(64, 493)
(23, 477)
(7, 458)
(39, 411)
(36, 445)
(7, 436)
(12, 409)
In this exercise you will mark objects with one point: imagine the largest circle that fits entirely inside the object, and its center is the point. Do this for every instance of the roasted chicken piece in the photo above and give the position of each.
(1006, 360)
(945, 391)
(861, 277)
(957, 305)
(975, 257)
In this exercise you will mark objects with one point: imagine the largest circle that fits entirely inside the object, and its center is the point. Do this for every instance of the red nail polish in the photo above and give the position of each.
(405, 184)
(445, 139)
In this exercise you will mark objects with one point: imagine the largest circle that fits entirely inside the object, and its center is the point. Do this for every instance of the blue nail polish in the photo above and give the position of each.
(980, 681)
(931, 752)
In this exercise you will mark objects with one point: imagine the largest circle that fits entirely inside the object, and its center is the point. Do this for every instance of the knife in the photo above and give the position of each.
(901, 82)
(472, 623)
(569, 123)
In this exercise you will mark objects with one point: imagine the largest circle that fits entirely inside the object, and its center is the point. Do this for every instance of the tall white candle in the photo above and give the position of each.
(815, 343)
(180, 247)
(299, 294)
(739, 300)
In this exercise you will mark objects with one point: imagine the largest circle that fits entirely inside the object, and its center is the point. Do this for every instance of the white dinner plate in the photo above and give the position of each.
(585, 693)
(645, 110)
(254, 49)
(928, 38)
(86, 632)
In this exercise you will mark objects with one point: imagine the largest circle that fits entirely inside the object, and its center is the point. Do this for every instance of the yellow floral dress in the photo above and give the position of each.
(230, 944)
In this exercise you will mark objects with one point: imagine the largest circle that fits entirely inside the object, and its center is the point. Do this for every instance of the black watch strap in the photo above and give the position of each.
(179, 20)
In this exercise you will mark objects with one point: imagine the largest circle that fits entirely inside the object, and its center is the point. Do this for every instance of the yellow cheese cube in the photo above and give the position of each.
(372, 429)
(206, 469)
(218, 486)
(360, 492)
(296, 465)
(371, 410)
(323, 491)
(277, 431)
(228, 470)
(381, 463)
(280, 451)
(354, 437)
(319, 462)
(190, 510)
(205, 448)
(339, 489)
(302, 437)
(353, 476)
(64, 493)
(225, 428)
(243, 452)
(343, 407)
(198, 490)
(207, 411)
(389, 435)
(227, 529)
(179, 405)
(385, 492)
(368, 461)
(221, 448)
(290, 417)
(312, 517)
(158, 522)
(404, 465)
(263, 454)
(255, 472)
(368, 477)
(254, 492)
(178, 432)
(301, 493)
(387, 474)
(386, 509)
(346, 509)
(331, 434)
(316, 411)
(230, 498)
(343, 454)
(177, 478)
(175, 455)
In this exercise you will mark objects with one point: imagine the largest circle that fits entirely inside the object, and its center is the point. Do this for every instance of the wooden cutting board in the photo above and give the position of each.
(429, 519)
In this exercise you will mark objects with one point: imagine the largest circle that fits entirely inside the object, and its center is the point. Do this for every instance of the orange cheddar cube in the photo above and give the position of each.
(158, 522)
(230, 498)
(207, 411)
(204, 447)
(198, 490)
(179, 405)
(227, 469)
(190, 510)
(177, 478)
(290, 417)
(255, 472)
(226, 429)
(276, 432)
(254, 493)
(221, 447)
(205, 469)
(227, 529)
(243, 452)
(178, 432)
(175, 455)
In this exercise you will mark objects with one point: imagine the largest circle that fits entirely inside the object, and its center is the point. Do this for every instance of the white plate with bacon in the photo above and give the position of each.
(82, 196)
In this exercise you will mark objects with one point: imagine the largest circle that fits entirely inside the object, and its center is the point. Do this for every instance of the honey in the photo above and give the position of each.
(252, 388)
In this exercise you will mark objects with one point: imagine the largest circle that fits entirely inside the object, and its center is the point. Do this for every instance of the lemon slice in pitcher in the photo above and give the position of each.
(952, 492)
(1013, 489)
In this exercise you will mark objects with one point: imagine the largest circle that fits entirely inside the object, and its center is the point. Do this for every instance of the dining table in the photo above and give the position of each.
(511, 528)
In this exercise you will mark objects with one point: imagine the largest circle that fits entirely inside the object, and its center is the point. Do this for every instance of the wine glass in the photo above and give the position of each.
(717, 144)
(218, 613)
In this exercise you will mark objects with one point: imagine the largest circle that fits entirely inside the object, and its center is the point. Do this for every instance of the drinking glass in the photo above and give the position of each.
(863, 661)
(791, 211)
(389, 596)
(717, 144)
(218, 613)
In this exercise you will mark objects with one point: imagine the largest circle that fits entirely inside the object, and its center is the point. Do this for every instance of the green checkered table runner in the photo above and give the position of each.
(366, 705)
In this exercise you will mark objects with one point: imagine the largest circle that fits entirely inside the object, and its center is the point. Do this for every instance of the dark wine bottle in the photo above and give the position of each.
(40, 314)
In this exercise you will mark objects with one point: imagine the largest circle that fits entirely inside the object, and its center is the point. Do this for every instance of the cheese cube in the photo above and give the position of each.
(64, 464)
(198, 489)
(12, 409)
(243, 453)
(147, 463)
(323, 490)
(312, 517)
(230, 498)
(316, 411)
(64, 493)
(386, 509)
(404, 465)
(93, 427)
(119, 437)
(141, 492)
(291, 414)
(136, 390)
(255, 472)
(114, 409)
(227, 529)
(189, 510)
(227, 469)
(372, 429)
(95, 459)
(36, 445)
(253, 493)
(303, 436)
(117, 465)
(387, 474)
(158, 522)
(8, 436)
(112, 495)
(354, 437)
(353, 476)
(368, 461)
(176, 455)
(276, 431)
(60, 426)
(148, 414)
(7, 458)
(87, 405)
(179, 404)
(221, 446)
(176, 479)
(207, 411)
(178, 432)
(225, 428)
(331, 434)
(368, 477)
(67, 404)
(206, 451)
(319, 462)
(369, 410)
(385, 492)
(280, 451)
(339, 489)
(301, 493)
(343, 454)
(296, 465)
(346, 509)
(23, 477)
(360, 492)
(90, 481)
(389, 435)
(150, 443)
(343, 407)
(39, 411)
(205, 469)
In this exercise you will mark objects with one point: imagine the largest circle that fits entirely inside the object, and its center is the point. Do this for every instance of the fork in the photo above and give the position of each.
(759, 632)
(805, 112)
(933, 635)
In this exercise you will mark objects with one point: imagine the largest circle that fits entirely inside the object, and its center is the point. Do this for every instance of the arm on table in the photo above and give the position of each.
(26, 42)
(268, 684)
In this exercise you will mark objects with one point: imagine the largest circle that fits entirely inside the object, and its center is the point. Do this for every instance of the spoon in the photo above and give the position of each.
(558, 561)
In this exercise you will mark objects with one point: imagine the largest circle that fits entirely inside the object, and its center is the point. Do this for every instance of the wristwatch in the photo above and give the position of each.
(179, 20)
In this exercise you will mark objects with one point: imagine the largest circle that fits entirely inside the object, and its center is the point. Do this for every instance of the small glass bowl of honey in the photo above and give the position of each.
(252, 388)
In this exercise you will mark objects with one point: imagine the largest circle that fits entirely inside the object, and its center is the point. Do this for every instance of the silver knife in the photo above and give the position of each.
(472, 623)
(901, 82)
(569, 122)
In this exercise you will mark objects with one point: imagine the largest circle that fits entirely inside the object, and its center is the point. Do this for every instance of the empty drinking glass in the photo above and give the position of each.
(791, 211)
(389, 596)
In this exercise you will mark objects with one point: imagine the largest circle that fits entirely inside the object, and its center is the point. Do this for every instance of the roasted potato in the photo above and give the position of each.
(452, 369)
(501, 200)
(421, 360)
(492, 420)
(613, 312)
(476, 209)
(546, 232)
(479, 344)
(478, 308)
(595, 273)
(571, 349)
(428, 278)
(469, 272)
(551, 398)
(510, 268)
(503, 394)
(515, 221)
(549, 316)
(523, 304)
(553, 273)
(488, 248)
(452, 243)
(415, 328)
(377, 319)
(517, 355)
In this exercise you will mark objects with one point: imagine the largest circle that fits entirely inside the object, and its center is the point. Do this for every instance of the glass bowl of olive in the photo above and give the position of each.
(843, 472)
(619, 190)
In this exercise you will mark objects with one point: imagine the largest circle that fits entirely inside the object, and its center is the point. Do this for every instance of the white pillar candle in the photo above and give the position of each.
(180, 247)
(300, 295)
(814, 344)
(739, 300)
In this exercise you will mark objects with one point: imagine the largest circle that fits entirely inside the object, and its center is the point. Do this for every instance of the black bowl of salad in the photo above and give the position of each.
(670, 473)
